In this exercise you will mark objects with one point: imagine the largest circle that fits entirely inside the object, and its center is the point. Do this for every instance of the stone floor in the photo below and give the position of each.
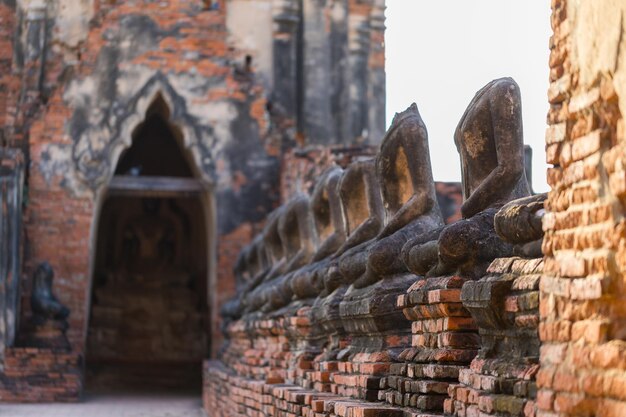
(114, 405)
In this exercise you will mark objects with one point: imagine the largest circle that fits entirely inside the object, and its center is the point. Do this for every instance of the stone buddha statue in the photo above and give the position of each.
(359, 192)
(249, 270)
(299, 240)
(254, 266)
(48, 324)
(241, 270)
(361, 205)
(331, 233)
(489, 139)
(297, 233)
(271, 244)
(256, 259)
(408, 190)
(150, 240)
(327, 214)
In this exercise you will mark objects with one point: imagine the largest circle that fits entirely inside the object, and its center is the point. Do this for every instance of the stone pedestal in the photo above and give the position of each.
(46, 334)
(505, 306)
(376, 331)
(444, 341)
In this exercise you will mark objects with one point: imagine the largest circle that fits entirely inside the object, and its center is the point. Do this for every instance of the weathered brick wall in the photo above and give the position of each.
(582, 294)
(40, 375)
(7, 79)
(501, 378)
(180, 39)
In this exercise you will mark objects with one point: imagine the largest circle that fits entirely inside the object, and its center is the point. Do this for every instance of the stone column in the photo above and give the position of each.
(286, 25)
(11, 180)
(34, 44)
(359, 44)
(376, 92)
(340, 71)
(316, 89)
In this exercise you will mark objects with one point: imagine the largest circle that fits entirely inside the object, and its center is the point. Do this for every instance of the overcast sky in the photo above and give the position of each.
(439, 53)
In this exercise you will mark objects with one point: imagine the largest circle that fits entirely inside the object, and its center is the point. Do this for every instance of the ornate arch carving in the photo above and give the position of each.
(109, 132)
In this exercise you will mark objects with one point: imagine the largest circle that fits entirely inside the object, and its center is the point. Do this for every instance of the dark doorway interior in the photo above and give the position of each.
(148, 325)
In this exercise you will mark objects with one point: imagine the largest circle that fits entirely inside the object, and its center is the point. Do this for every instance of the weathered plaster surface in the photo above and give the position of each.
(250, 28)
(598, 44)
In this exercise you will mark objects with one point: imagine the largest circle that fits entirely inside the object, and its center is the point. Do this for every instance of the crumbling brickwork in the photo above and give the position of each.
(40, 375)
(582, 315)
(7, 28)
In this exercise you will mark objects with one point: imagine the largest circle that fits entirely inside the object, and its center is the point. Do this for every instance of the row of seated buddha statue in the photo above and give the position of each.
(327, 279)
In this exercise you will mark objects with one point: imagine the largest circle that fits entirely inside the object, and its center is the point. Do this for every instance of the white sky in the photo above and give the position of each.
(439, 53)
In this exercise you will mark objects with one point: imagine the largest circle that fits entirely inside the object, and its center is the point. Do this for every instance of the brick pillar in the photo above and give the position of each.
(582, 307)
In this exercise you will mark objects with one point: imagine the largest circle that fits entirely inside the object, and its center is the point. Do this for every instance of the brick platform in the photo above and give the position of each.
(40, 375)
(501, 379)
(473, 350)
(444, 342)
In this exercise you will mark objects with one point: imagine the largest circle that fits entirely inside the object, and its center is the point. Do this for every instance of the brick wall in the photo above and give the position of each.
(40, 375)
(7, 79)
(582, 295)
(62, 212)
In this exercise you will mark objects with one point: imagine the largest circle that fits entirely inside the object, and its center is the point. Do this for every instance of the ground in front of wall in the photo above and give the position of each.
(114, 405)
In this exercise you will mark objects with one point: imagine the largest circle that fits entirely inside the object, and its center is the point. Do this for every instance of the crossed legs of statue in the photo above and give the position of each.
(465, 247)
(384, 258)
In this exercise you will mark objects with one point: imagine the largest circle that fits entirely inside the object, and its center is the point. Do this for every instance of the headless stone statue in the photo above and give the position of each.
(297, 235)
(257, 267)
(276, 262)
(329, 225)
(327, 214)
(359, 191)
(489, 139)
(48, 324)
(256, 260)
(243, 272)
(274, 245)
(359, 195)
(290, 236)
(408, 190)
(242, 268)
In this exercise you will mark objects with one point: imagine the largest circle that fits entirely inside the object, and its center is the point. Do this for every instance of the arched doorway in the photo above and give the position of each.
(149, 321)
